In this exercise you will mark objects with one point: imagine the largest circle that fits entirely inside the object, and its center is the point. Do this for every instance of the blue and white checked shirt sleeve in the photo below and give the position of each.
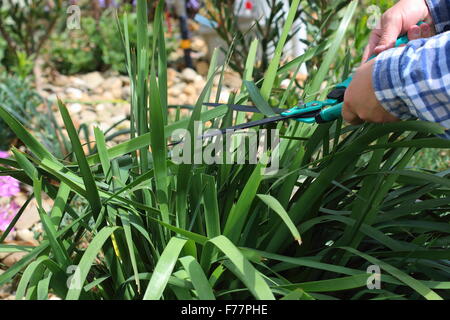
(440, 11)
(414, 81)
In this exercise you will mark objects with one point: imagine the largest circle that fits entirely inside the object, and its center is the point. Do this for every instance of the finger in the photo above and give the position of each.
(374, 39)
(389, 117)
(349, 116)
(414, 33)
(392, 28)
(425, 30)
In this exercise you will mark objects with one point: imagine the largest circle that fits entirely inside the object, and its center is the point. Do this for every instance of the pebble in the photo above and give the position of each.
(75, 108)
(100, 107)
(176, 89)
(93, 79)
(285, 83)
(74, 93)
(172, 74)
(88, 117)
(188, 75)
(77, 82)
(13, 258)
(113, 86)
(126, 92)
(103, 89)
(190, 90)
(25, 235)
(112, 83)
(202, 68)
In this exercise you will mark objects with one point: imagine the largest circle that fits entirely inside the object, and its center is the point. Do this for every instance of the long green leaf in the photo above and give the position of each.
(164, 269)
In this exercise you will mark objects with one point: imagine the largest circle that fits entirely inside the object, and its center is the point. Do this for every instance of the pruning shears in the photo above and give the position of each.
(312, 112)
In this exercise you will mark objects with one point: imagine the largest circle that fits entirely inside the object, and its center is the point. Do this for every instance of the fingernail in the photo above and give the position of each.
(380, 48)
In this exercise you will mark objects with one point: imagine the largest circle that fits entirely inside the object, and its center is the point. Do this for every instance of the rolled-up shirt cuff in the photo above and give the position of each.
(440, 11)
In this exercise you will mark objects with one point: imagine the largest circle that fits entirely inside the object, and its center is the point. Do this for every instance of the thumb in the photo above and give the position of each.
(391, 29)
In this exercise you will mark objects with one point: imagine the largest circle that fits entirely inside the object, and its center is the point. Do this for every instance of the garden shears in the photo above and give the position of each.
(312, 112)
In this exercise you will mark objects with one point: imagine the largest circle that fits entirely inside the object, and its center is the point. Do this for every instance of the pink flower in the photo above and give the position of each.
(7, 213)
(4, 154)
(8, 186)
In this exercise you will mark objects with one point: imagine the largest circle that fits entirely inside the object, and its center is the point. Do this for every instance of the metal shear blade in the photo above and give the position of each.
(243, 108)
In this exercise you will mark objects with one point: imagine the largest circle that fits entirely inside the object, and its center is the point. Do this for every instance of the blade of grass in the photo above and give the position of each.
(271, 73)
(198, 278)
(417, 285)
(82, 270)
(278, 208)
(164, 269)
(244, 270)
(92, 194)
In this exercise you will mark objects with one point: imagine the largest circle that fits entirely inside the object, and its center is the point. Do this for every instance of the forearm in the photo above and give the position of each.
(414, 81)
(440, 11)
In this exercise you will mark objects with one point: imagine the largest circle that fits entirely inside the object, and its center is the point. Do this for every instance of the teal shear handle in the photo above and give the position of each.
(334, 112)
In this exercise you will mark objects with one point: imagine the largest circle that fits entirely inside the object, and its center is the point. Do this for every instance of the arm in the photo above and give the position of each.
(440, 12)
(414, 81)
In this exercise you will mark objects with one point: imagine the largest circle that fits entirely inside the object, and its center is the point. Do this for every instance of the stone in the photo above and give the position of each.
(182, 98)
(77, 82)
(100, 107)
(188, 75)
(199, 45)
(285, 83)
(13, 258)
(74, 93)
(202, 68)
(301, 78)
(176, 89)
(190, 90)
(29, 217)
(75, 108)
(62, 81)
(199, 84)
(224, 96)
(125, 80)
(232, 80)
(88, 116)
(126, 92)
(109, 95)
(112, 83)
(93, 80)
(172, 74)
(52, 97)
(98, 90)
(25, 235)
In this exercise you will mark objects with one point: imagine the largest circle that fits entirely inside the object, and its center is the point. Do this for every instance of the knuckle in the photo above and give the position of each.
(364, 116)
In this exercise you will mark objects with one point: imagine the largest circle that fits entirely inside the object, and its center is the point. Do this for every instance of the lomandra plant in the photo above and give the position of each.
(344, 203)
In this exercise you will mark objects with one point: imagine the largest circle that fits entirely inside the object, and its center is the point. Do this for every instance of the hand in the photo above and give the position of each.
(360, 102)
(400, 19)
